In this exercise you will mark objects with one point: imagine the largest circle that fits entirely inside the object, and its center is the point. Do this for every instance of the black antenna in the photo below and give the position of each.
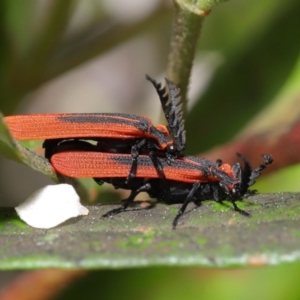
(172, 109)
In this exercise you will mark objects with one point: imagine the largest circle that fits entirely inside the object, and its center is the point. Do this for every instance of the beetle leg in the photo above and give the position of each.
(239, 210)
(144, 188)
(186, 202)
(135, 152)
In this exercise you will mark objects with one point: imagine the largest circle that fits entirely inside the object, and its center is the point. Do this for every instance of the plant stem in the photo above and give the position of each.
(188, 19)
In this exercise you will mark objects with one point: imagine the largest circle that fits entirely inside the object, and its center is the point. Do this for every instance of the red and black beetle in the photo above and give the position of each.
(189, 179)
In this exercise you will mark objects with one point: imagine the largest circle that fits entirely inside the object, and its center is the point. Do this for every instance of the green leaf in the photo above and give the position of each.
(7, 144)
(250, 78)
(212, 235)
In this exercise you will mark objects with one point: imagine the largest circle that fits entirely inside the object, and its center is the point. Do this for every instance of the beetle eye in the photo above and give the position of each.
(172, 149)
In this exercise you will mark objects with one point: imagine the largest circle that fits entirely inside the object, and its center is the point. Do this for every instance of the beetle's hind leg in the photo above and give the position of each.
(144, 188)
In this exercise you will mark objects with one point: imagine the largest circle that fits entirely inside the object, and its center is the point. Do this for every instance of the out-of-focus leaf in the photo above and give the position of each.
(244, 32)
(211, 235)
(286, 179)
(245, 84)
(7, 144)
(19, 23)
(188, 283)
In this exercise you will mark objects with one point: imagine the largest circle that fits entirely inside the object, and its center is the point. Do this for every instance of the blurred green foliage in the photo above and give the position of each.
(268, 283)
(253, 73)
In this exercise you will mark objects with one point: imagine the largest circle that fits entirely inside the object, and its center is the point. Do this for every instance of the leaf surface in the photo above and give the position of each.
(211, 235)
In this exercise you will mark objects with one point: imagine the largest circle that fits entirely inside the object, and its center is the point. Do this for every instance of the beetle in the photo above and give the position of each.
(190, 179)
(112, 132)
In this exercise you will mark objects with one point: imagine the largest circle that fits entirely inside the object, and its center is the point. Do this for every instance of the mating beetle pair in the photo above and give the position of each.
(131, 153)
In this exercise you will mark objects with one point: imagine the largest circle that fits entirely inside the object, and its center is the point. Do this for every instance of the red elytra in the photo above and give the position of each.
(85, 126)
(88, 164)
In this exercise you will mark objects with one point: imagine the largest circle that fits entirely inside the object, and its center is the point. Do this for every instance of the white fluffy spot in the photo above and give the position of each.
(51, 206)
